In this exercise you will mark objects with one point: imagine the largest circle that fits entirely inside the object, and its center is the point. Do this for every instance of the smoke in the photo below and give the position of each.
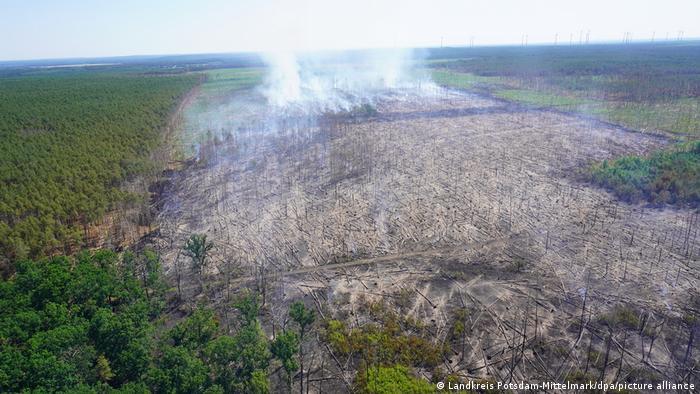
(283, 83)
(332, 82)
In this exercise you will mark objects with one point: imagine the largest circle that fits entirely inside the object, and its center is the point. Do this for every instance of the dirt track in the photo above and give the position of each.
(386, 259)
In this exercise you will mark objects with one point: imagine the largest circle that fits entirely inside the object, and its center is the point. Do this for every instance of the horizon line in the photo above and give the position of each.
(28, 61)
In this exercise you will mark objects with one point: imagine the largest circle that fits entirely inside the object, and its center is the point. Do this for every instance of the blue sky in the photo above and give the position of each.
(34, 29)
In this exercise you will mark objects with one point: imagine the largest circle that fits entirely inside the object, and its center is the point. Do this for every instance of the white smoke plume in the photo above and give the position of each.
(338, 81)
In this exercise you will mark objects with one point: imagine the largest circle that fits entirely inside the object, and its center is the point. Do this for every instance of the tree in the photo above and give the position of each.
(304, 317)
(196, 330)
(153, 281)
(249, 307)
(239, 362)
(284, 348)
(259, 384)
(197, 248)
(124, 339)
(177, 371)
(252, 350)
(220, 354)
(104, 371)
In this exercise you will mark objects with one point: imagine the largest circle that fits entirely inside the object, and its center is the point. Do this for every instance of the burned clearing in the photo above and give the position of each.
(452, 211)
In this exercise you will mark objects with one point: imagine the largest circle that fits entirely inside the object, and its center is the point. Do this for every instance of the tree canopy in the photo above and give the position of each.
(94, 323)
(68, 142)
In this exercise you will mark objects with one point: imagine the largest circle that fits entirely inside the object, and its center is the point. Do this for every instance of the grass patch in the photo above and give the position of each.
(541, 99)
(595, 81)
(620, 316)
(461, 80)
(227, 80)
(679, 116)
(589, 96)
(644, 87)
(216, 105)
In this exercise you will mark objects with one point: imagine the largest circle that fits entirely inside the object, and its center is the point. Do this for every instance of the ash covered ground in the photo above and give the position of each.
(431, 201)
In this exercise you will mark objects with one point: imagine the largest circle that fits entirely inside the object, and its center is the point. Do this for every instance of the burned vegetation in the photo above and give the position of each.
(436, 236)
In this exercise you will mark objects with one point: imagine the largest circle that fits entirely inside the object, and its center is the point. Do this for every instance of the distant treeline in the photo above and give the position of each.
(631, 72)
(149, 63)
(68, 141)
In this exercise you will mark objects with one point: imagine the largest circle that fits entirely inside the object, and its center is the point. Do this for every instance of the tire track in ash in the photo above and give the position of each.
(383, 259)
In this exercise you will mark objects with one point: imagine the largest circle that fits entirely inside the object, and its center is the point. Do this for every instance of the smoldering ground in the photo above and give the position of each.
(437, 202)
(325, 82)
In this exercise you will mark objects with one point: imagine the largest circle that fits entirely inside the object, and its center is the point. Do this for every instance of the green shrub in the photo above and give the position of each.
(388, 341)
(666, 177)
(620, 316)
(391, 380)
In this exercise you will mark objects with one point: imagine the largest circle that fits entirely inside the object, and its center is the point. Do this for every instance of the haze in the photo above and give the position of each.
(72, 28)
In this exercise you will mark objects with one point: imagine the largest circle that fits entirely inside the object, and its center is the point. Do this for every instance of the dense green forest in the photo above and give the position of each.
(649, 87)
(96, 323)
(68, 141)
(103, 322)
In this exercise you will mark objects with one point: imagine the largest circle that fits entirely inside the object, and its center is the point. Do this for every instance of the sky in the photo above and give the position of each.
(40, 29)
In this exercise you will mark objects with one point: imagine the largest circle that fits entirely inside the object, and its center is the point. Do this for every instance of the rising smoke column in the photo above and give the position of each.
(283, 82)
(336, 82)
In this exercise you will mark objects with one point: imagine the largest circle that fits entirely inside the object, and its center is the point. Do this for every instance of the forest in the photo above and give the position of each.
(69, 141)
(96, 322)
(107, 322)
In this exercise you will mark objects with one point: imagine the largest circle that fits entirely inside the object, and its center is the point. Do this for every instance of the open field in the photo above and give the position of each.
(444, 202)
